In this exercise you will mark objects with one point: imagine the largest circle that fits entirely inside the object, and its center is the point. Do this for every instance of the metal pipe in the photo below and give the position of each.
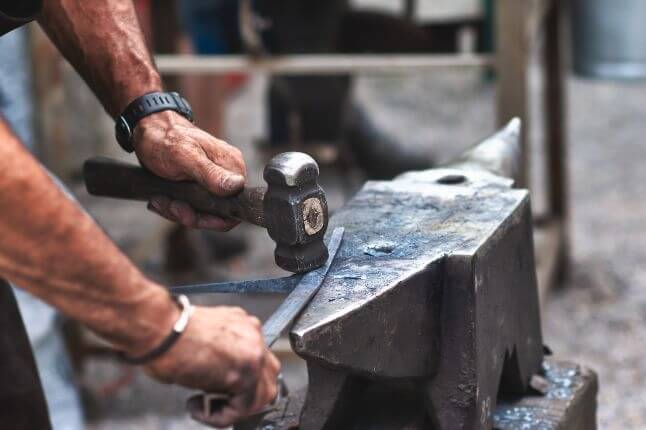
(318, 64)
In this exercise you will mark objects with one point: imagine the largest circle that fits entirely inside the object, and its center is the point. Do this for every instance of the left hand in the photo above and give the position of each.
(172, 147)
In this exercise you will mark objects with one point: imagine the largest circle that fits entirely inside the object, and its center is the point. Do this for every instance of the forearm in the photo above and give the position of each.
(104, 43)
(50, 247)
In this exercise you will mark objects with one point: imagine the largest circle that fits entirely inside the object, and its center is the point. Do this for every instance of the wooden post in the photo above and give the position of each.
(512, 42)
(555, 105)
(410, 8)
(165, 33)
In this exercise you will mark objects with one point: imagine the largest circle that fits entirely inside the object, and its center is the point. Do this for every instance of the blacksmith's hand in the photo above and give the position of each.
(222, 351)
(172, 147)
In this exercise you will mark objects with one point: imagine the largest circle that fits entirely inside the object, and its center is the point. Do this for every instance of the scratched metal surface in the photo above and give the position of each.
(404, 225)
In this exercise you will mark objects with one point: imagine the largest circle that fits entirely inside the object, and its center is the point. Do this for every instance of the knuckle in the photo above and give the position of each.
(234, 380)
(235, 152)
(272, 392)
(276, 366)
(254, 359)
(177, 152)
(176, 135)
(251, 363)
(257, 343)
(212, 174)
(239, 310)
(255, 322)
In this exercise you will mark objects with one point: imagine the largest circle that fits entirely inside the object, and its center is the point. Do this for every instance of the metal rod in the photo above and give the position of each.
(318, 64)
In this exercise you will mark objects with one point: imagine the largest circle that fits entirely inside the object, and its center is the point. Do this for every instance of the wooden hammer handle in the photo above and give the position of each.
(111, 178)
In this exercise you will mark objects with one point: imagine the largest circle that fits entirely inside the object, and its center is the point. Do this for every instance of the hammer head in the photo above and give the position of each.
(295, 212)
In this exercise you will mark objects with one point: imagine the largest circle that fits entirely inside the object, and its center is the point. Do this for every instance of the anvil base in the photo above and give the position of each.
(569, 403)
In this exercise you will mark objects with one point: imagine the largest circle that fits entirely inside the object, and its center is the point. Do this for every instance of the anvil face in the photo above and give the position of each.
(433, 292)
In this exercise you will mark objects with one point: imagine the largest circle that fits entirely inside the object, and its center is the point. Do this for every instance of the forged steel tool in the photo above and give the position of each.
(204, 405)
(260, 286)
(293, 207)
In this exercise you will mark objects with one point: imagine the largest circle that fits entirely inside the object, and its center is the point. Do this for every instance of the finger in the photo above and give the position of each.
(183, 213)
(160, 206)
(214, 178)
(156, 211)
(273, 363)
(211, 222)
(255, 322)
(227, 156)
(160, 203)
(233, 311)
(266, 390)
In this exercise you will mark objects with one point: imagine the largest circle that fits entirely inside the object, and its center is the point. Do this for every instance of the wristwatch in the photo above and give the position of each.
(144, 106)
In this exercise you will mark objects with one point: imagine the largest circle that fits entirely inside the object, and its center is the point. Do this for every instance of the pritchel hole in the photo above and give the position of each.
(452, 179)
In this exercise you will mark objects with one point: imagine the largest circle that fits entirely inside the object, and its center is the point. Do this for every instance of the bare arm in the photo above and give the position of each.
(51, 248)
(103, 41)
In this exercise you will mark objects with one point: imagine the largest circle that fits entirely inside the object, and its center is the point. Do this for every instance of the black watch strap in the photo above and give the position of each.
(144, 106)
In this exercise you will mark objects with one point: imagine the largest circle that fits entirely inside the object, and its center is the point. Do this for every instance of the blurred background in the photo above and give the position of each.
(399, 85)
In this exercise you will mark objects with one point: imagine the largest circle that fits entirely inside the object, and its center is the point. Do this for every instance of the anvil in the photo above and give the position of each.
(430, 308)
(429, 313)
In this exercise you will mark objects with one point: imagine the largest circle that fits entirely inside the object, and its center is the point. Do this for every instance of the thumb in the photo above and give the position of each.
(215, 178)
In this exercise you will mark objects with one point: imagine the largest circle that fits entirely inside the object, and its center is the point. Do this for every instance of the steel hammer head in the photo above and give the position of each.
(295, 212)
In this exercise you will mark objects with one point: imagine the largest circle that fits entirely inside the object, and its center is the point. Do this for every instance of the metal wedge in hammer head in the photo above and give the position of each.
(294, 195)
(292, 207)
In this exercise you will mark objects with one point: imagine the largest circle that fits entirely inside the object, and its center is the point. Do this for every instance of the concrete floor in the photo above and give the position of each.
(597, 319)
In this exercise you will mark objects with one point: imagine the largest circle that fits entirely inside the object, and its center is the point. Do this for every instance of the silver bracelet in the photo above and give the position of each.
(178, 328)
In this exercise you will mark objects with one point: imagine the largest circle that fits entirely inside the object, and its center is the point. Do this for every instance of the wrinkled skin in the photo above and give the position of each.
(173, 148)
(245, 371)
(103, 41)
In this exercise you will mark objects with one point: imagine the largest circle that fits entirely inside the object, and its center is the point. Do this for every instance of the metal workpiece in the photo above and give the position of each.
(203, 406)
(259, 286)
(307, 288)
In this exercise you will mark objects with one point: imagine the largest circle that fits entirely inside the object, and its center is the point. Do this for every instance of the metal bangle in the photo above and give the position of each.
(178, 328)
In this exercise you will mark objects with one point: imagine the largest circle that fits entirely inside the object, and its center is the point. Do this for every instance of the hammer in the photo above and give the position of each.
(292, 207)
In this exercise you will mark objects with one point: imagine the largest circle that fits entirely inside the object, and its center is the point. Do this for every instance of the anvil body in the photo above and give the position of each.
(430, 311)
(432, 299)
(429, 306)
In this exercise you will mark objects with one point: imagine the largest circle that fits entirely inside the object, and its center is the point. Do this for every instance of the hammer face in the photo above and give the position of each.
(300, 259)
